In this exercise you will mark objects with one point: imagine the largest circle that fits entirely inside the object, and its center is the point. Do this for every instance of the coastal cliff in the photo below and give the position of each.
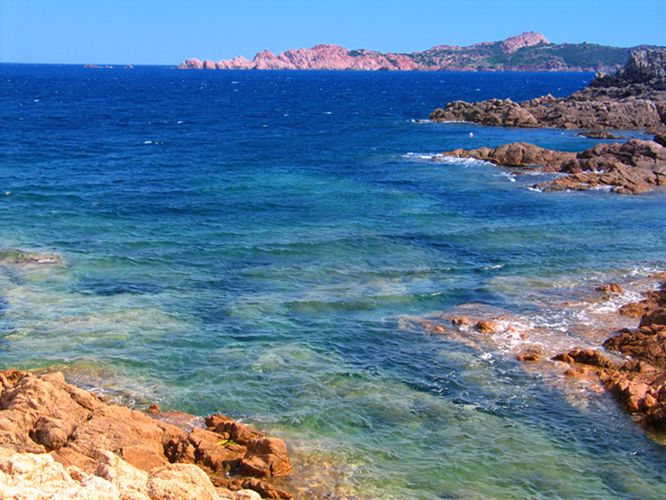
(632, 98)
(528, 51)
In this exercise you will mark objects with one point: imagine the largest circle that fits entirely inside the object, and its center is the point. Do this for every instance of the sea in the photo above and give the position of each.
(264, 243)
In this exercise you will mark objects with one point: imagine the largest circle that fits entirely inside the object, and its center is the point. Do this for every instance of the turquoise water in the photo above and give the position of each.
(252, 242)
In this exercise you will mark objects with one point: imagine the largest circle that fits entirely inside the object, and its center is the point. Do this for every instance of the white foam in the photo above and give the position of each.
(601, 188)
(465, 162)
(420, 156)
(508, 175)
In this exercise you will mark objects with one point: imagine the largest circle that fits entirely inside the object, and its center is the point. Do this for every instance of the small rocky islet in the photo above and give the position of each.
(632, 99)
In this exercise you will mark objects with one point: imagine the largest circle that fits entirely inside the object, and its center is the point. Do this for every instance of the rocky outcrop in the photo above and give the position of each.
(517, 154)
(45, 415)
(634, 167)
(528, 39)
(634, 98)
(528, 51)
(646, 67)
(639, 383)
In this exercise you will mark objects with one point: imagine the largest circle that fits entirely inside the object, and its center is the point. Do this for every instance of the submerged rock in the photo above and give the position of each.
(486, 326)
(21, 257)
(45, 415)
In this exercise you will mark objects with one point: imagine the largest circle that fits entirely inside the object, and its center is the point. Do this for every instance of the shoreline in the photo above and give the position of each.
(632, 99)
(626, 360)
(55, 435)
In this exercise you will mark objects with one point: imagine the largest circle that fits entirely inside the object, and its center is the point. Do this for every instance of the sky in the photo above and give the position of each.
(169, 31)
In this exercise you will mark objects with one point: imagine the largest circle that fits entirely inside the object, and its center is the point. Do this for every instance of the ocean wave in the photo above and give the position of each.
(508, 175)
(420, 156)
(445, 159)
(465, 162)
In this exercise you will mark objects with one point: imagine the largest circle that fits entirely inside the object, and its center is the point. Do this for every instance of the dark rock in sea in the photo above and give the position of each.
(599, 134)
(634, 98)
(634, 167)
(43, 414)
(109, 287)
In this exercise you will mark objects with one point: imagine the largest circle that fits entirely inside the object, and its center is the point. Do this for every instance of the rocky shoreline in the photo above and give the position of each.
(634, 167)
(630, 363)
(632, 99)
(638, 382)
(58, 439)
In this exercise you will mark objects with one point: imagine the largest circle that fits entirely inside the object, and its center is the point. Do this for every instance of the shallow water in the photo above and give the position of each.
(250, 242)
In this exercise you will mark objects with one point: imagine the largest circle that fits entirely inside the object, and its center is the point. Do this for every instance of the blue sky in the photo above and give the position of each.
(168, 31)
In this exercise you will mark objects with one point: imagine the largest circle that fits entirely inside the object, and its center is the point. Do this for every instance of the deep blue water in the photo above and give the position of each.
(249, 242)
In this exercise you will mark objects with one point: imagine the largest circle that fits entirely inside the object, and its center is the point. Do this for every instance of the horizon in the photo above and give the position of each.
(40, 31)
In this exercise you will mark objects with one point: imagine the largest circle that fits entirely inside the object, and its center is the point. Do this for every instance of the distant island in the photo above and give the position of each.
(528, 51)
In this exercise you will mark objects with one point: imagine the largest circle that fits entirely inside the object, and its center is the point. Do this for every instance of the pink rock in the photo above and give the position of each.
(527, 39)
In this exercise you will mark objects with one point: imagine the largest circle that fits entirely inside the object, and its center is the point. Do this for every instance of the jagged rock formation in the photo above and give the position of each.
(87, 439)
(644, 67)
(633, 98)
(525, 52)
(631, 168)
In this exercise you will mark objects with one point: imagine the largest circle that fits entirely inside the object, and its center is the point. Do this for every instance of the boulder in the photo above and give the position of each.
(610, 288)
(486, 326)
(43, 414)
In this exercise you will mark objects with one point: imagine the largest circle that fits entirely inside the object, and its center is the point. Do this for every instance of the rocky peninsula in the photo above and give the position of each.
(632, 99)
(60, 441)
(528, 51)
